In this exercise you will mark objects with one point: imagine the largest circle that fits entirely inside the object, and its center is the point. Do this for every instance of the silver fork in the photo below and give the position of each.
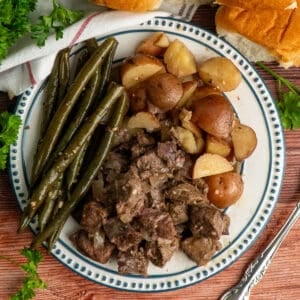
(258, 267)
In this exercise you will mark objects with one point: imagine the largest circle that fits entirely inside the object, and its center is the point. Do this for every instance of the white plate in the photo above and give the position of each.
(262, 172)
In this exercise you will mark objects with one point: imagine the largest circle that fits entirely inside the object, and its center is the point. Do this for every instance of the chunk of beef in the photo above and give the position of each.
(93, 216)
(187, 193)
(131, 201)
(152, 163)
(171, 154)
(114, 165)
(98, 189)
(178, 212)
(157, 200)
(208, 221)
(132, 261)
(143, 143)
(159, 252)
(156, 224)
(124, 236)
(200, 249)
(95, 245)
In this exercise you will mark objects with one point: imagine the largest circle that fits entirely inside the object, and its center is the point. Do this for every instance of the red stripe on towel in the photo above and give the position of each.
(31, 77)
(82, 27)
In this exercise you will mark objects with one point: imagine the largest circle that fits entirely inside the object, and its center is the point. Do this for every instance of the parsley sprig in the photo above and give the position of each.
(15, 22)
(288, 103)
(9, 127)
(59, 19)
(32, 280)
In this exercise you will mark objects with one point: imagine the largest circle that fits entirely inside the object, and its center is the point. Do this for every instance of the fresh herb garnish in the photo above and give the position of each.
(15, 22)
(9, 127)
(288, 103)
(58, 20)
(32, 280)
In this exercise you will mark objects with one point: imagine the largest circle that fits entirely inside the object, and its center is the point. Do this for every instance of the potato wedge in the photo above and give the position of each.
(187, 140)
(139, 68)
(221, 73)
(217, 146)
(202, 92)
(179, 59)
(189, 88)
(185, 118)
(164, 91)
(244, 141)
(154, 45)
(209, 164)
(213, 114)
(143, 119)
(224, 189)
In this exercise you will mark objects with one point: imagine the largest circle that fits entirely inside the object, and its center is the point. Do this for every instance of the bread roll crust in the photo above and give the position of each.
(278, 31)
(132, 5)
(260, 4)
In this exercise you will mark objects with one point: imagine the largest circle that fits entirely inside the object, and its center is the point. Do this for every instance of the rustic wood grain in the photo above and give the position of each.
(281, 282)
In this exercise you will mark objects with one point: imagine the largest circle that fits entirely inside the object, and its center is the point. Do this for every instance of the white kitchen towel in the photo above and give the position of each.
(27, 63)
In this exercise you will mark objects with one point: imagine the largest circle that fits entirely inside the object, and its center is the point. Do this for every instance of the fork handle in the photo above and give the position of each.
(258, 267)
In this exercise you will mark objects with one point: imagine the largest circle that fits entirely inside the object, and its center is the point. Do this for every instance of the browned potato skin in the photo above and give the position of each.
(149, 46)
(213, 114)
(138, 98)
(164, 90)
(221, 73)
(224, 189)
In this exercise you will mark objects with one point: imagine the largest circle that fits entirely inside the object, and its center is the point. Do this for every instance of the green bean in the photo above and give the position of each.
(64, 73)
(94, 90)
(85, 182)
(91, 45)
(51, 92)
(85, 104)
(74, 168)
(64, 160)
(49, 204)
(65, 107)
(54, 236)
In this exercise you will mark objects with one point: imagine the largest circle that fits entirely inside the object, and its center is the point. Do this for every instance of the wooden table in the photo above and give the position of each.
(282, 280)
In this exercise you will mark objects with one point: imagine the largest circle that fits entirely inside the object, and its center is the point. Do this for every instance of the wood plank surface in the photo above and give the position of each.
(281, 282)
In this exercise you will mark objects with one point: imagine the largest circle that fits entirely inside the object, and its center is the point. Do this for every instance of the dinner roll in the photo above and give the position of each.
(262, 35)
(260, 4)
(133, 5)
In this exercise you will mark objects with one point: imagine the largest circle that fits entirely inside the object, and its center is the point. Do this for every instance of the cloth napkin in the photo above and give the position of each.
(28, 64)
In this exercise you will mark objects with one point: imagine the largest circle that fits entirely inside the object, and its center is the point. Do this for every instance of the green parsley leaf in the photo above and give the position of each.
(9, 127)
(32, 279)
(58, 20)
(15, 22)
(288, 103)
(289, 109)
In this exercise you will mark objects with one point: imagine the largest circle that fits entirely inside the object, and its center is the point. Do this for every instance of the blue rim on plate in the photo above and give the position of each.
(263, 172)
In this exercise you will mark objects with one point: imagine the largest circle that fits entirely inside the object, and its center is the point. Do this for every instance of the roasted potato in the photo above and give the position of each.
(214, 114)
(224, 189)
(189, 142)
(221, 73)
(164, 90)
(179, 59)
(209, 164)
(145, 120)
(244, 141)
(185, 117)
(154, 45)
(138, 98)
(139, 68)
(201, 92)
(217, 145)
(189, 88)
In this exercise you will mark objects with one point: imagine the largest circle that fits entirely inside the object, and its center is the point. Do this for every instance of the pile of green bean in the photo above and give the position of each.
(73, 110)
